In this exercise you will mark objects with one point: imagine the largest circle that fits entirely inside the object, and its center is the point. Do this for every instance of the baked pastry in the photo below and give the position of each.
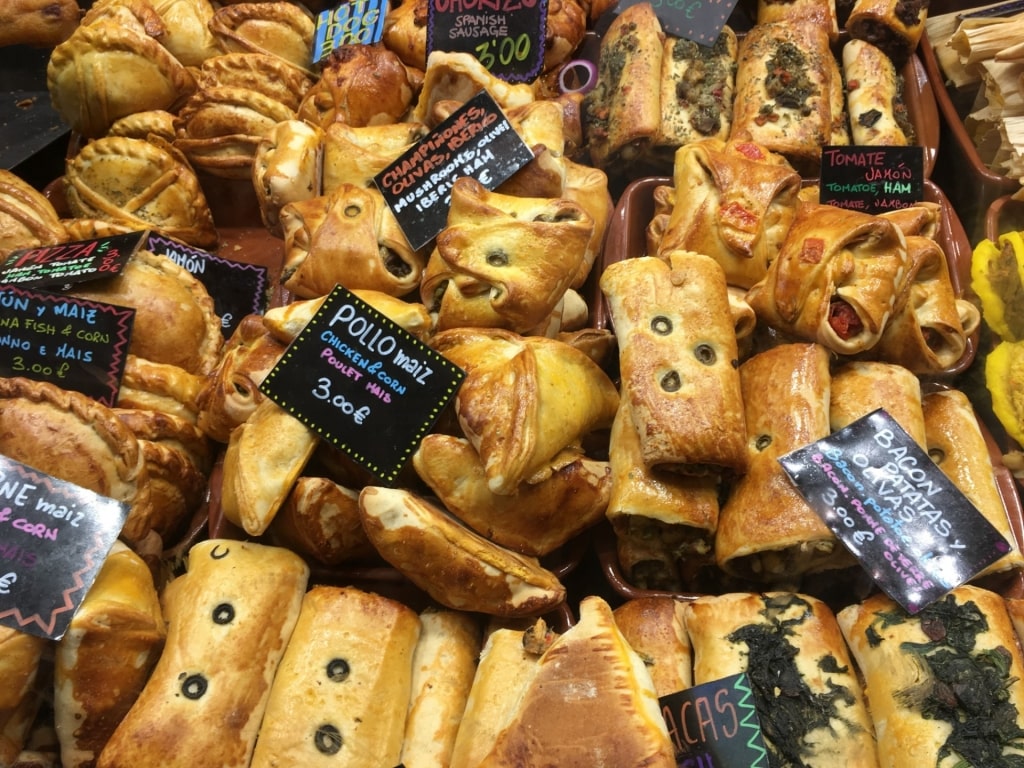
(836, 279)
(264, 457)
(655, 628)
(455, 566)
(187, 32)
(277, 28)
(930, 329)
(139, 184)
(697, 83)
(862, 386)
(820, 12)
(20, 698)
(923, 218)
(356, 154)
(591, 672)
(944, 685)
(161, 387)
(263, 73)
(504, 669)
(199, 706)
(873, 97)
(767, 532)
(360, 85)
(444, 665)
(165, 296)
(347, 237)
(503, 261)
(525, 400)
(286, 322)
(110, 67)
(116, 637)
(458, 77)
(230, 393)
(733, 201)
(95, 450)
(27, 217)
(664, 522)
(405, 32)
(621, 122)
(783, 90)
(287, 166)
(342, 690)
(893, 26)
(536, 519)
(956, 443)
(139, 125)
(39, 23)
(677, 361)
(320, 520)
(805, 688)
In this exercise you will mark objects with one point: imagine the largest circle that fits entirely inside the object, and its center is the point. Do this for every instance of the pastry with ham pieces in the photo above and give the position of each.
(116, 637)
(734, 201)
(200, 706)
(341, 694)
(945, 685)
(805, 688)
(836, 279)
(677, 360)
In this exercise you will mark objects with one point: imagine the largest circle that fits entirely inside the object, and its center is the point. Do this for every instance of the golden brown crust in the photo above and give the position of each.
(160, 387)
(40, 23)
(955, 442)
(899, 682)
(525, 399)
(104, 659)
(736, 203)
(139, 184)
(859, 387)
(27, 217)
(286, 167)
(535, 520)
(277, 28)
(106, 70)
(832, 255)
(175, 322)
(457, 567)
(343, 687)
(677, 359)
(893, 26)
(729, 634)
(503, 261)
(796, 130)
(237, 599)
(766, 530)
(656, 629)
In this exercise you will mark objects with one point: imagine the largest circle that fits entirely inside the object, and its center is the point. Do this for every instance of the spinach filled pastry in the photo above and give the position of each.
(836, 280)
(783, 90)
(677, 361)
(945, 686)
(808, 697)
(874, 97)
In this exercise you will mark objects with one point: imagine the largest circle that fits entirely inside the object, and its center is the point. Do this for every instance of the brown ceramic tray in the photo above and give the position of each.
(858, 584)
(627, 238)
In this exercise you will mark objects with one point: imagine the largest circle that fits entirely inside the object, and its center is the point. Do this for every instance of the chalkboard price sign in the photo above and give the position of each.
(237, 289)
(506, 36)
(872, 179)
(476, 140)
(54, 537)
(74, 343)
(701, 21)
(67, 263)
(363, 383)
(911, 528)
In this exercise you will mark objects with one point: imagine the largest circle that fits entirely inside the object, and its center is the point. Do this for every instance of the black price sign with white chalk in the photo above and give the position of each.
(74, 262)
(74, 343)
(476, 140)
(911, 528)
(54, 537)
(872, 179)
(363, 383)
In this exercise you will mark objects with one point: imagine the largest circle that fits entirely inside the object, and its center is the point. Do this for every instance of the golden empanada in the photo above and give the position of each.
(277, 28)
(27, 217)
